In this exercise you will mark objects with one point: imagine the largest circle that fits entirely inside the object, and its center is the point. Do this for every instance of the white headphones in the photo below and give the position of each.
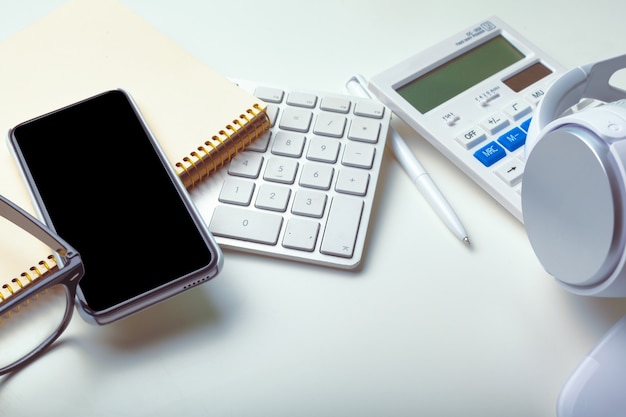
(574, 185)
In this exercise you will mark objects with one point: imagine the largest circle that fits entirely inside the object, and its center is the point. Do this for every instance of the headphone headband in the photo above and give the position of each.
(587, 81)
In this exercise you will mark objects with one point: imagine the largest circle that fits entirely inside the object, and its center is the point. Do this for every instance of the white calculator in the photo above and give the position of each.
(472, 96)
(305, 189)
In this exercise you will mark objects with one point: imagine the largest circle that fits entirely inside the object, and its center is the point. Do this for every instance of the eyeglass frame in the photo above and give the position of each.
(69, 271)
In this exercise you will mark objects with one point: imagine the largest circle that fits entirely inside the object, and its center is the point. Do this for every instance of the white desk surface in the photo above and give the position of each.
(428, 327)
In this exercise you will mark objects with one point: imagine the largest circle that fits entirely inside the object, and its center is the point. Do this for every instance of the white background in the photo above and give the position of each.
(427, 327)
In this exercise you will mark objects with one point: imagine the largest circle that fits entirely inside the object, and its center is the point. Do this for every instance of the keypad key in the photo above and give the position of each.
(364, 130)
(369, 109)
(302, 99)
(296, 119)
(309, 203)
(301, 234)
(342, 226)
(490, 154)
(511, 172)
(288, 144)
(246, 164)
(317, 176)
(358, 155)
(269, 94)
(335, 104)
(281, 170)
(494, 123)
(236, 191)
(245, 224)
(273, 197)
(323, 150)
(352, 181)
(328, 124)
(513, 139)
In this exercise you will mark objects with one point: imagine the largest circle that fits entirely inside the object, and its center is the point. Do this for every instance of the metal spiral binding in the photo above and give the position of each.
(201, 162)
(25, 279)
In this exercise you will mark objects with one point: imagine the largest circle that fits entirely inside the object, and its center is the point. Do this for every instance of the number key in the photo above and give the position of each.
(246, 224)
(323, 150)
(236, 191)
(309, 203)
(317, 176)
(281, 170)
(273, 197)
(246, 164)
(288, 144)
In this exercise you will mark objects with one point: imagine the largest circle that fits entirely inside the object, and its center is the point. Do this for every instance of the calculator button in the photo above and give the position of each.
(513, 139)
(269, 94)
(494, 123)
(471, 137)
(273, 197)
(323, 149)
(352, 181)
(302, 99)
(364, 130)
(317, 176)
(511, 172)
(534, 97)
(301, 234)
(236, 191)
(490, 154)
(517, 109)
(246, 164)
(328, 124)
(245, 224)
(296, 119)
(336, 104)
(281, 170)
(342, 226)
(369, 109)
(288, 144)
(526, 124)
(309, 203)
(358, 155)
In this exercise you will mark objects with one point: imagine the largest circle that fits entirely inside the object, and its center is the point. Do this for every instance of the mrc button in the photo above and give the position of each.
(490, 154)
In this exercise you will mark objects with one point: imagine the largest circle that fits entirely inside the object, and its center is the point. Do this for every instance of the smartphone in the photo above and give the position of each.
(99, 178)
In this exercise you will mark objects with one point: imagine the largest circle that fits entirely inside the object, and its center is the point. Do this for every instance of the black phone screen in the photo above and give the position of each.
(105, 190)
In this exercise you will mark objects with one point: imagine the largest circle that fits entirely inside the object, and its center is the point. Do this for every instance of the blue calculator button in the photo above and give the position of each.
(526, 124)
(490, 154)
(513, 139)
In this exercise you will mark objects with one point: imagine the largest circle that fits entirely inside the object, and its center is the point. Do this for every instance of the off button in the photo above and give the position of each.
(471, 137)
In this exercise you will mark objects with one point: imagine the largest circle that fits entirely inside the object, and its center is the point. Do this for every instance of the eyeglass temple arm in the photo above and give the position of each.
(33, 226)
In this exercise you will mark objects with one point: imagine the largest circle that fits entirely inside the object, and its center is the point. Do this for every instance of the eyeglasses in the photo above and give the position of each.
(36, 307)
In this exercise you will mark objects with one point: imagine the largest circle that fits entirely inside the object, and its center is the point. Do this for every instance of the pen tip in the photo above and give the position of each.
(466, 240)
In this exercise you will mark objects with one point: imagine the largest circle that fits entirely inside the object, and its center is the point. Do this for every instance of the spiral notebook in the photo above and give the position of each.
(199, 117)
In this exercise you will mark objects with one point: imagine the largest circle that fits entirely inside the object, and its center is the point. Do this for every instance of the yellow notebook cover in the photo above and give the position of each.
(86, 47)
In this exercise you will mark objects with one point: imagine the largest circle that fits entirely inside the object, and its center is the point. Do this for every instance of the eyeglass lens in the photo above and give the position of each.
(26, 326)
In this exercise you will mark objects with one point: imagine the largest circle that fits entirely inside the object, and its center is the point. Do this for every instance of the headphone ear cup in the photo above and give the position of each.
(569, 205)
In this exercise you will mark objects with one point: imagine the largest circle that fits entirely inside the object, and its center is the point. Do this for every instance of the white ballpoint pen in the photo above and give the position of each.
(357, 85)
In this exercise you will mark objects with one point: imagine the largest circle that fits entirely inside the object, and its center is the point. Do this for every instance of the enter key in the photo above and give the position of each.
(342, 226)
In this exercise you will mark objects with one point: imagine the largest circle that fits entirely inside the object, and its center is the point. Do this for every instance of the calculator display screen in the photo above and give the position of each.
(457, 75)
